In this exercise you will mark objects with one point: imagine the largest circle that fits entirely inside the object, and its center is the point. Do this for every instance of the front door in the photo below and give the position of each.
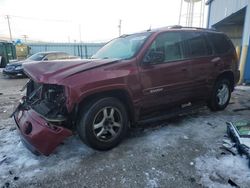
(165, 81)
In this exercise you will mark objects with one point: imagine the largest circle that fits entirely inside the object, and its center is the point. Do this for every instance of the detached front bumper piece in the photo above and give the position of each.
(38, 135)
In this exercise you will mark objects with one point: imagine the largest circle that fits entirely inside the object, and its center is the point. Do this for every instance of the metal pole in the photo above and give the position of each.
(86, 51)
(25, 38)
(187, 15)
(80, 33)
(203, 11)
(191, 13)
(179, 22)
(8, 19)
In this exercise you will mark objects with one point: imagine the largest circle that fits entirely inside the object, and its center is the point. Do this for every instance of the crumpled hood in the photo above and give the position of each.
(54, 71)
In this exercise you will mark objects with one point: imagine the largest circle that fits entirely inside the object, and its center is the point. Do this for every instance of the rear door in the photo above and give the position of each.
(167, 82)
(200, 54)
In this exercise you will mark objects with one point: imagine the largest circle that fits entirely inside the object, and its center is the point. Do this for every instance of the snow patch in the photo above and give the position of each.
(215, 172)
(151, 182)
(244, 88)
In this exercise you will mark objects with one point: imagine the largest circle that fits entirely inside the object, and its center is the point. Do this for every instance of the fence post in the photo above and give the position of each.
(78, 49)
(81, 51)
(86, 51)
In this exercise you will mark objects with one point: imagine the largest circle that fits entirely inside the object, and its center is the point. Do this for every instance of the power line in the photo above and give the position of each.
(36, 19)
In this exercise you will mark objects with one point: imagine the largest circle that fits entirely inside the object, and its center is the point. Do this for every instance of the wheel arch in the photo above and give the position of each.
(230, 76)
(121, 94)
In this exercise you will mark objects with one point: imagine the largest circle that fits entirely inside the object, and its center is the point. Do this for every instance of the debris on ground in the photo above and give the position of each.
(239, 132)
(4, 159)
(232, 183)
(16, 178)
(241, 109)
(224, 171)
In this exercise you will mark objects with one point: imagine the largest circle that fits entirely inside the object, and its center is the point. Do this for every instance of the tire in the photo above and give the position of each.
(221, 95)
(98, 128)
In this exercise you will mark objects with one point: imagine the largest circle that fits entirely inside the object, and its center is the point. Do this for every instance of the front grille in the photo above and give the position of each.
(10, 68)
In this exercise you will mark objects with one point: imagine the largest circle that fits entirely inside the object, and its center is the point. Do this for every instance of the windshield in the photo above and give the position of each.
(36, 57)
(124, 47)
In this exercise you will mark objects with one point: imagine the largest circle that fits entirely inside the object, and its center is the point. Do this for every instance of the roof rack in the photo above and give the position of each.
(184, 27)
(187, 27)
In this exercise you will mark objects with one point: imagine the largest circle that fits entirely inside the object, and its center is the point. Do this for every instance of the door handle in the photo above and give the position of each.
(216, 60)
(183, 69)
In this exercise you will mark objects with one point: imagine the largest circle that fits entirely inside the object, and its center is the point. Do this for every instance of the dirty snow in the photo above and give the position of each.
(215, 172)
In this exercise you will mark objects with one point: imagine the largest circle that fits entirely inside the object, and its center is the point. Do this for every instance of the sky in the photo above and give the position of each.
(84, 20)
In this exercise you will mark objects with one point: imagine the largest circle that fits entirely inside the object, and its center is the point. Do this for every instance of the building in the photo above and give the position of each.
(233, 18)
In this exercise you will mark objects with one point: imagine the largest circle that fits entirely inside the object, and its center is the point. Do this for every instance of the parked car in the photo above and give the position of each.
(134, 79)
(16, 68)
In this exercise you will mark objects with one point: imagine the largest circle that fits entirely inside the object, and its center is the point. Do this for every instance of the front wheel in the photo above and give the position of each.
(221, 95)
(103, 123)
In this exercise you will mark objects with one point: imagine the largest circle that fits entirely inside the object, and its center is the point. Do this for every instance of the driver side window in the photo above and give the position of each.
(51, 57)
(169, 45)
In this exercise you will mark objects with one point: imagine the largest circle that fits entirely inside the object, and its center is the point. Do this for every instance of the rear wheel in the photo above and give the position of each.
(103, 123)
(221, 95)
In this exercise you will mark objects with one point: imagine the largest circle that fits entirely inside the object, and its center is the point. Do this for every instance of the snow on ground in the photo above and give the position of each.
(17, 161)
(215, 172)
(244, 88)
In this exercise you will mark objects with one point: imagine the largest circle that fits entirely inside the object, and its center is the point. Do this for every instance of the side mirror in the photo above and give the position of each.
(154, 57)
(45, 59)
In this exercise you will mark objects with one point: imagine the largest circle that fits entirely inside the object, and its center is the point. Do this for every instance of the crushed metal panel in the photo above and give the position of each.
(239, 132)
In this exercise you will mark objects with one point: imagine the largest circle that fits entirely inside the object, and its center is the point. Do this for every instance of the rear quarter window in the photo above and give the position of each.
(220, 43)
(196, 45)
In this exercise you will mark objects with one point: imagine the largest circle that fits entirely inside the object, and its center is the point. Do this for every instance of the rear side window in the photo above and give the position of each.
(196, 45)
(220, 43)
(51, 57)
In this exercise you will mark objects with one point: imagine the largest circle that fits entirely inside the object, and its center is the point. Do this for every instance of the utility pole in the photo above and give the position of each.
(25, 38)
(179, 22)
(120, 27)
(8, 19)
(80, 33)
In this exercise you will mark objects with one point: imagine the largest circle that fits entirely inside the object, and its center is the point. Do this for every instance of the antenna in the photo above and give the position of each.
(120, 27)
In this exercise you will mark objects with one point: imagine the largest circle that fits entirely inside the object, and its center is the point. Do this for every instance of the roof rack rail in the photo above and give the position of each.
(181, 27)
(188, 27)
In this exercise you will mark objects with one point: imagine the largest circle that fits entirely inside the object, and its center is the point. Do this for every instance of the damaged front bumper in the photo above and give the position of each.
(38, 135)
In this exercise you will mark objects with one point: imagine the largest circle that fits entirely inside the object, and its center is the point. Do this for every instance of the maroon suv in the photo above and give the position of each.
(134, 79)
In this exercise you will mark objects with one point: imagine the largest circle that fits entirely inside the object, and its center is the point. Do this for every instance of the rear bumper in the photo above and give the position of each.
(37, 134)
